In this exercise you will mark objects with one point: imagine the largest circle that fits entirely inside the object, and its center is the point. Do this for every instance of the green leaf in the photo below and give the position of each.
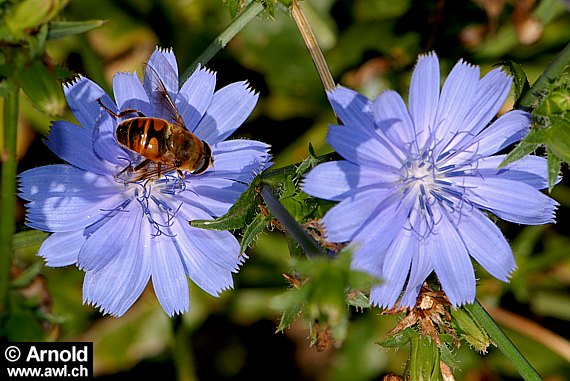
(252, 230)
(28, 238)
(558, 136)
(399, 339)
(27, 276)
(289, 315)
(530, 143)
(239, 215)
(59, 29)
(357, 299)
(520, 80)
(554, 164)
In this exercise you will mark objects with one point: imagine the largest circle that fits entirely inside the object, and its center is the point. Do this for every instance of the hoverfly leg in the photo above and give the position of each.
(122, 113)
(141, 165)
(128, 111)
(180, 173)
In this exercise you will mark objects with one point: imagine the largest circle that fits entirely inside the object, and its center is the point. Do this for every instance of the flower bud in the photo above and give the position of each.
(475, 335)
(30, 14)
(43, 89)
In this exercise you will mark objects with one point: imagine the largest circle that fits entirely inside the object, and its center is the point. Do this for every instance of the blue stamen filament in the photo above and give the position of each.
(160, 214)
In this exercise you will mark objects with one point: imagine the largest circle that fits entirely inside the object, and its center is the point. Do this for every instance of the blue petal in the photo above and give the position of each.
(424, 96)
(451, 261)
(212, 195)
(74, 144)
(229, 108)
(510, 200)
(335, 180)
(395, 270)
(61, 180)
(210, 257)
(117, 286)
(62, 249)
(345, 219)
(68, 213)
(82, 95)
(421, 267)
(369, 244)
(111, 238)
(169, 276)
(195, 96)
(531, 170)
(492, 92)
(486, 243)
(105, 143)
(161, 65)
(364, 147)
(456, 100)
(389, 106)
(352, 108)
(130, 94)
(508, 129)
(239, 159)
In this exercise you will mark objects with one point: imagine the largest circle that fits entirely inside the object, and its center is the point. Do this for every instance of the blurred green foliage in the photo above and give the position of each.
(370, 45)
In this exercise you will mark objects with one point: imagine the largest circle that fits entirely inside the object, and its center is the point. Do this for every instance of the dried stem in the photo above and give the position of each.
(313, 46)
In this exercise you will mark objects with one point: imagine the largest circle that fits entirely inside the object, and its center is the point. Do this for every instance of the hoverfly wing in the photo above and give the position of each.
(160, 98)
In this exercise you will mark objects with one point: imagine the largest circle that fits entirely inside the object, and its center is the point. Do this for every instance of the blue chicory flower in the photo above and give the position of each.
(417, 181)
(123, 232)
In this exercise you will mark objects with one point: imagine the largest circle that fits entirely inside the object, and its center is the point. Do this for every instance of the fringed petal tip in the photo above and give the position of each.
(73, 81)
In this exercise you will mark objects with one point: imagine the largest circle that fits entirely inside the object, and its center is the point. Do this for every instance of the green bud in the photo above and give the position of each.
(555, 103)
(424, 359)
(30, 14)
(43, 89)
(475, 335)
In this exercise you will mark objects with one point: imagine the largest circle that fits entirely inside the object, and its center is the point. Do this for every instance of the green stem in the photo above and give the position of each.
(8, 193)
(504, 344)
(248, 14)
(307, 243)
(552, 72)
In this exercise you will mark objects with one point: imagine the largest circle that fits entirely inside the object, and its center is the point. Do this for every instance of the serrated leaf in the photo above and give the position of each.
(289, 315)
(520, 80)
(239, 215)
(357, 299)
(252, 230)
(399, 339)
(59, 29)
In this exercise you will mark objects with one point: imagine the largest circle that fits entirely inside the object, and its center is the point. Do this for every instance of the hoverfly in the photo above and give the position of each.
(166, 145)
